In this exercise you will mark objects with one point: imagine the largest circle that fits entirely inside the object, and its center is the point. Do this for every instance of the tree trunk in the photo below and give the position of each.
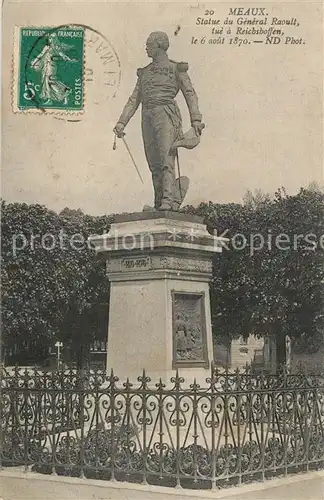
(82, 355)
(280, 351)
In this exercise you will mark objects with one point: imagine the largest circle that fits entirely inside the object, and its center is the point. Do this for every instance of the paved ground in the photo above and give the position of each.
(309, 487)
(16, 485)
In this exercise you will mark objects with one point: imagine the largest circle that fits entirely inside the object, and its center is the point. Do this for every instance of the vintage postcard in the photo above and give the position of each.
(162, 249)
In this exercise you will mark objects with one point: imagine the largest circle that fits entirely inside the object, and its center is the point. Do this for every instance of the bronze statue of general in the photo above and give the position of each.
(156, 88)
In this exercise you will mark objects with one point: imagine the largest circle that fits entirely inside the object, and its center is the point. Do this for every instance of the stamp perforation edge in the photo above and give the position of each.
(16, 72)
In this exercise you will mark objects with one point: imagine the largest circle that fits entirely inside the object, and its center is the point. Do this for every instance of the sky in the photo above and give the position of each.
(262, 106)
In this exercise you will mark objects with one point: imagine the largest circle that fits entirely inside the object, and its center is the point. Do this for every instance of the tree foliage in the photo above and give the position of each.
(273, 284)
(53, 287)
(268, 281)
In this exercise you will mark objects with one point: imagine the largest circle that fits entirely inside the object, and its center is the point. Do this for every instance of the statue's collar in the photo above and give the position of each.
(163, 60)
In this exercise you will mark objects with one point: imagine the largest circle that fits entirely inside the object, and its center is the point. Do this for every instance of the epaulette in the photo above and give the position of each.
(139, 71)
(182, 66)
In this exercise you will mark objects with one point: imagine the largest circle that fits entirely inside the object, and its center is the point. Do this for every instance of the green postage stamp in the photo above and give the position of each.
(49, 69)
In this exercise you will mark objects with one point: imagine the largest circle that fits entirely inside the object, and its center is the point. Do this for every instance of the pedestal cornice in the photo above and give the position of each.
(164, 234)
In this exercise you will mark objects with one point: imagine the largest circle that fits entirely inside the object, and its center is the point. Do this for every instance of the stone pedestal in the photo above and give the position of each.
(159, 265)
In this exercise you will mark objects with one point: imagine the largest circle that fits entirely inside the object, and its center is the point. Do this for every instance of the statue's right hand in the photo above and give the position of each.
(119, 130)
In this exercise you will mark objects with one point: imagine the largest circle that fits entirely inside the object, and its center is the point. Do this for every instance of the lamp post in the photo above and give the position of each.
(58, 345)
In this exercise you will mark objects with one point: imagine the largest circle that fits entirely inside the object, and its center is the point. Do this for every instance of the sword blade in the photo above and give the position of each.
(132, 158)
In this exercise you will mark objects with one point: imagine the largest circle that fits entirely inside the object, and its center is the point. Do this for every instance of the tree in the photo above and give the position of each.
(86, 313)
(268, 282)
(257, 199)
(274, 289)
(315, 187)
(53, 286)
(29, 292)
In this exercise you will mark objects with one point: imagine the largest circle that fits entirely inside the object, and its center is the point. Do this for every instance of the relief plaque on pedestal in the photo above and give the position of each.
(189, 330)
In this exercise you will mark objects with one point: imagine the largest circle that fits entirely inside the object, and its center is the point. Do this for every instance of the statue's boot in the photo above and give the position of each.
(148, 208)
(166, 207)
(157, 186)
(180, 190)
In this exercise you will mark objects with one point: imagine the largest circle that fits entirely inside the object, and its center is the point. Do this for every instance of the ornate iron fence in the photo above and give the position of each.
(239, 427)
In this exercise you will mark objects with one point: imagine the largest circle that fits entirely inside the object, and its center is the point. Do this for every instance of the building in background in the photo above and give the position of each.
(240, 352)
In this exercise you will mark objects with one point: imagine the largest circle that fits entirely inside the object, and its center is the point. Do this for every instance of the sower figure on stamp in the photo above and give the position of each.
(157, 86)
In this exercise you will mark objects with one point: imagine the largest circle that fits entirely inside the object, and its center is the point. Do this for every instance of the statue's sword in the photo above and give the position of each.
(130, 154)
(132, 158)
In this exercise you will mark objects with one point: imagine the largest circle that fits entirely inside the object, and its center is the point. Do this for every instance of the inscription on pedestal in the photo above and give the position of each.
(135, 263)
(189, 330)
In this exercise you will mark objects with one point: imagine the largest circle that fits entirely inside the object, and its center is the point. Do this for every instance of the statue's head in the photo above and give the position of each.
(156, 42)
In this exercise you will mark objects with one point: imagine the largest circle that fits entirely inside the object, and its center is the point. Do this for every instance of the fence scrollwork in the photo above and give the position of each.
(239, 426)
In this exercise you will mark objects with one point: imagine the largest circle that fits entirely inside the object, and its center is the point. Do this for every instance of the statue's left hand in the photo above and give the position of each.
(198, 127)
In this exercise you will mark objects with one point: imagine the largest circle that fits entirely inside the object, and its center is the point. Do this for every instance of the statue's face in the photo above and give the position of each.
(152, 46)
